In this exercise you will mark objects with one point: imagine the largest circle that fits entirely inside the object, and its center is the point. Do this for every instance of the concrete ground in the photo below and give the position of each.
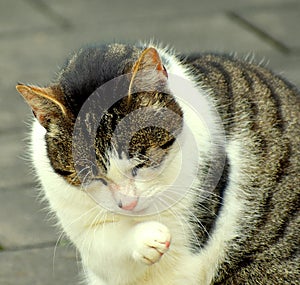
(36, 36)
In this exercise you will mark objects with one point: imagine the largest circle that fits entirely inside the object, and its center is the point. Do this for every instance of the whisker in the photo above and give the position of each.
(184, 222)
(66, 229)
(201, 198)
(85, 178)
(195, 190)
(87, 236)
(195, 218)
(86, 160)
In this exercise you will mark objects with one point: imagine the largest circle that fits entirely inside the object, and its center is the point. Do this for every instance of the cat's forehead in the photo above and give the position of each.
(120, 164)
(91, 67)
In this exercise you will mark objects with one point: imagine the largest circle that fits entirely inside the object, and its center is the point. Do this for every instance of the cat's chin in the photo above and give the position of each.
(137, 211)
(143, 209)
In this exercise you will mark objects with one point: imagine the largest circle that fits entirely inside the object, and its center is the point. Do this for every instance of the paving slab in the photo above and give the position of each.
(15, 168)
(13, 112)
(27, 60)
(187, 26)
(119, 10)
(40, 266)
(287, 66)
(24, 221)
(15, 20)
(277, 23)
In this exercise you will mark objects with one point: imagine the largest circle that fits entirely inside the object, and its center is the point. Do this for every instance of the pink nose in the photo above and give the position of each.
(128, 206)
(125, 197)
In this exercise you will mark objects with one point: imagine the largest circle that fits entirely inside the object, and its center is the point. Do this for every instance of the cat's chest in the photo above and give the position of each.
(111, 243)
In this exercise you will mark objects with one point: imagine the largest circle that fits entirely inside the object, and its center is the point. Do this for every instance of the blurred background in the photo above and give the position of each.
(35, 38)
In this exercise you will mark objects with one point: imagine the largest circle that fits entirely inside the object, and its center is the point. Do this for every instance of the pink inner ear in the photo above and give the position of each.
(40, 115)
(164, 71)
(150, 59)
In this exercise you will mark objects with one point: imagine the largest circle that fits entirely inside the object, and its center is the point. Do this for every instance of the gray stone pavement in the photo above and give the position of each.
(35, 37)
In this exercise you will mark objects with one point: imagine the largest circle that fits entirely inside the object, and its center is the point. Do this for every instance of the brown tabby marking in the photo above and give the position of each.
(263, 109)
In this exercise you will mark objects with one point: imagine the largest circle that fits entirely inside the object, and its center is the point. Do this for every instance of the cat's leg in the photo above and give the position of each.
(121, 254)
(150, 241)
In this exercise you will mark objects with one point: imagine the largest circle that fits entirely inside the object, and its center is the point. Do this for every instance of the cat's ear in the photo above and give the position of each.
(44, 102)
(149, 60)
(148, 72)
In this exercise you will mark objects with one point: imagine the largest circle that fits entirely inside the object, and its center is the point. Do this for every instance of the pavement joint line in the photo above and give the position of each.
(12, 131)
(259, 32)
(29, 247)
(17, 186)
(29, 31)
(44, 8)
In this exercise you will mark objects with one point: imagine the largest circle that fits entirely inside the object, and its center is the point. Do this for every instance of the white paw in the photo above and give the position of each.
(152, 240)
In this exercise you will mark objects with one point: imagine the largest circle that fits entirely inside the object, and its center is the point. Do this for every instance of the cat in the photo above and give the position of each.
(171, 169)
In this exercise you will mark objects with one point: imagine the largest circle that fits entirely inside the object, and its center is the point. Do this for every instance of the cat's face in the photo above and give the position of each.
(129, 153)
(121, 148)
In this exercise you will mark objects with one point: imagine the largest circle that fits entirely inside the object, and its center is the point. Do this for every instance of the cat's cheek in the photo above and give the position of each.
(101, 196)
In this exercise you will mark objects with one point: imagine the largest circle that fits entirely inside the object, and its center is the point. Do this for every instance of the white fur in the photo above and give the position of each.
(117, 249)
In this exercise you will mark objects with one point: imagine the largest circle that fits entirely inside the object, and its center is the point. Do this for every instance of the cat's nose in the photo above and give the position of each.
(125, 197)
(128, 205)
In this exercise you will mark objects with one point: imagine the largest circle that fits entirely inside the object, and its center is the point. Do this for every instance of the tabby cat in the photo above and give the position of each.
(165, 169)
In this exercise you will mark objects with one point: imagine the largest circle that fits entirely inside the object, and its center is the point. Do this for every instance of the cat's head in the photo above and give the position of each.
(111, 125)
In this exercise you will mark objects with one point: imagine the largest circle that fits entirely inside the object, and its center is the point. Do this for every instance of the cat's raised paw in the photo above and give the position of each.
(152, 241)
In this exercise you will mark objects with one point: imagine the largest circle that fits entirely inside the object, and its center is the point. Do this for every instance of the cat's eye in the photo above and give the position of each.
(134, 171)
(168, 143)
(63, 172)
(104, 182)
